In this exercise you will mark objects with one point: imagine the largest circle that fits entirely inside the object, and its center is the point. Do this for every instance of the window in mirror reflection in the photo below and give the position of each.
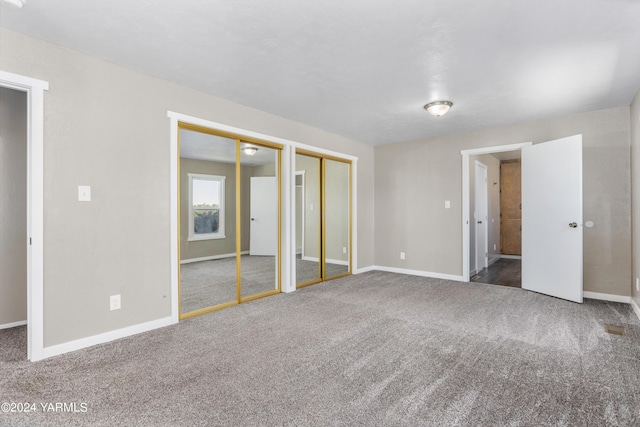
(206, 207)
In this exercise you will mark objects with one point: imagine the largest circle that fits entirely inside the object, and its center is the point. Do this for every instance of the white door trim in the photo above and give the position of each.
(465, 195)
(485, 249)
(35, 207)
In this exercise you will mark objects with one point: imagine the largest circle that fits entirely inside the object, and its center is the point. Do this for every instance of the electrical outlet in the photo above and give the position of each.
(494, 247)
(114, 302)
(344, 249)
(401, 255)
(637, 284)
(84, 193)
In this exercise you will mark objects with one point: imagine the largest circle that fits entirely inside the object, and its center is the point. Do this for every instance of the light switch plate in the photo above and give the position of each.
(447, 204)
(84, 193)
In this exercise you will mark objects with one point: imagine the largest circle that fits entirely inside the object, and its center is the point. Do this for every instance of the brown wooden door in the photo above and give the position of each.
(510, 208)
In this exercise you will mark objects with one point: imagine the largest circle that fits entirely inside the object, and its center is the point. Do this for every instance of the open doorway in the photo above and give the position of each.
(34, 213)
(493, 237)
(495, 207)
(552, 236)
(13, 222)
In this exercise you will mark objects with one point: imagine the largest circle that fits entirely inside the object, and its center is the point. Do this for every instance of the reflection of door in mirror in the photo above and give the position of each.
(308, 217)
(207, 221)
(260, 181)
(337, 188)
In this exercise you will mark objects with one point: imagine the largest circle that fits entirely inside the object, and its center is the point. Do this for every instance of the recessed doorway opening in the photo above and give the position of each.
(552, 217)
(482, 227)
(13, 219)
(495, 219)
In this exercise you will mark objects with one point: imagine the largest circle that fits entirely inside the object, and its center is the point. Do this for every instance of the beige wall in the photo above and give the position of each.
(493, 207)
(13, 209)
(107, 126)
(414, 179)
(336, 197)
(635, 196)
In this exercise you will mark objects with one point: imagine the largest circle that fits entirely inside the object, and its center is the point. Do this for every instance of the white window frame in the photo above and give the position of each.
(221, 213)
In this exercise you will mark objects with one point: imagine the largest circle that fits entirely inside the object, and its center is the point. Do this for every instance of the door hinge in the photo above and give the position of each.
(29, 241)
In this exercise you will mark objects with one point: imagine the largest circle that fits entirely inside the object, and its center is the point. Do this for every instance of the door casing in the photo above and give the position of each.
(35, 207)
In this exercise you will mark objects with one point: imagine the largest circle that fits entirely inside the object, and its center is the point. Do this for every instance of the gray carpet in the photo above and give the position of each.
(208, 283)
(370, 349)
(307, 271)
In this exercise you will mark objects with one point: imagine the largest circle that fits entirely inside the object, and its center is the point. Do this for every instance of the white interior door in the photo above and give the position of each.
(264, 216)
(481, 217)
(552, 218)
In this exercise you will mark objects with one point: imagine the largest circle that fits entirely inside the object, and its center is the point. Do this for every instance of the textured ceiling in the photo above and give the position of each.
(364, 69)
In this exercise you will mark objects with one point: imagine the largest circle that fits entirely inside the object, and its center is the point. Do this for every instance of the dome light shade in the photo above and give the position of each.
(249, 151)
(438, 108)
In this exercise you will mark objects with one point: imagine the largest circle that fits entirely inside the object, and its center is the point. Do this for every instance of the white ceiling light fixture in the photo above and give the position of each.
(438, 108)
(250, 151)
(18, 4)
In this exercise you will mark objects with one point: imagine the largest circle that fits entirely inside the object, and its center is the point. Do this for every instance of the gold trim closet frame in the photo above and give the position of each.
(323, 209)
(230, 219)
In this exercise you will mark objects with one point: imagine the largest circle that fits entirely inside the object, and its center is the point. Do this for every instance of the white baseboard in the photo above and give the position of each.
(494, 259)
(211, 258)
(365, 269)
(511, 256)
(635, 307)
(606, 297)
(329, 260)
(419, 273)
(13, 325)
(472, 272)
(56, 350)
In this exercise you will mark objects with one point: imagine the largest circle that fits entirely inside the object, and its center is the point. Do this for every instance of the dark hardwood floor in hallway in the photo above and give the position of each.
(504, 272)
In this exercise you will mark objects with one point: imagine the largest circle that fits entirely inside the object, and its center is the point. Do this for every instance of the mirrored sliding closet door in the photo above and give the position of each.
(323, 218)
(230, 216)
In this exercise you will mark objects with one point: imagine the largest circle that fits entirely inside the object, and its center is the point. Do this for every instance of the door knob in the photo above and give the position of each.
(479, 222)
(253, 219)
(573, 225)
